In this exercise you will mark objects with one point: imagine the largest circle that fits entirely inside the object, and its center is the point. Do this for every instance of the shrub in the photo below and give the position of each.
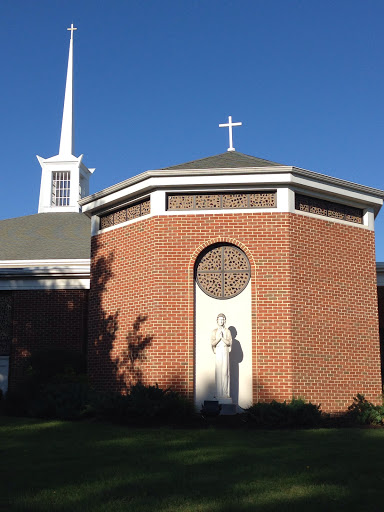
(296, 413)
(364, 412)
(144, 404)
(19, 397)
(111, 406)
(63, 397)
(54, 386)
(45, 365)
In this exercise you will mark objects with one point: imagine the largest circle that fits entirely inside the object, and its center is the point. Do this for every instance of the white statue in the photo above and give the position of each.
(221, 341)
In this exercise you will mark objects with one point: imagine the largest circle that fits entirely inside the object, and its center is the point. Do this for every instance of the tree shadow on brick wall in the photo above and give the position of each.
(130, 360)
(111, 368)
(45, 320)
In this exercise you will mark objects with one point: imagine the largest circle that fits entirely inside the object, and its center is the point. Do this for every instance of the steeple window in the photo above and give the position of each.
(61, 184)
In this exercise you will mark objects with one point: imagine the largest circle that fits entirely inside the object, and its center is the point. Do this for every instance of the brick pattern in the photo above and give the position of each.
(335, 341)
(380, 293)
(5, 322)
(314, 304)
(46, 319)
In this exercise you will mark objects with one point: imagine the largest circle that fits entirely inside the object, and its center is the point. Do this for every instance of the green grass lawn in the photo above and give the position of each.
(57, 466)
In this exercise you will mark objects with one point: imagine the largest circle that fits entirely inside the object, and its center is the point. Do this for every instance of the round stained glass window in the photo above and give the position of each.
(222, 271)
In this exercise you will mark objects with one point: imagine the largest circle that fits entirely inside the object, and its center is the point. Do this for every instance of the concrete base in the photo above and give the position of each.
(222, 407)
(223, 400)
(228, 409)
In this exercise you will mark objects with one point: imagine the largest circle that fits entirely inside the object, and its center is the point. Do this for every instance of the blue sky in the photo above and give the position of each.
(153, 79)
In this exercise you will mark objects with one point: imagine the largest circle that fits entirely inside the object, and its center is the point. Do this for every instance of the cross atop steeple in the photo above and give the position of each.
(71, 28)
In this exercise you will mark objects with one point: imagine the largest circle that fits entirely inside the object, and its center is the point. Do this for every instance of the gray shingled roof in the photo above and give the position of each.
(45, 236)
(230, 159)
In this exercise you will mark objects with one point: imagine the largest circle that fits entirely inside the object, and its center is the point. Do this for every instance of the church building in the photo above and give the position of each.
(44, 260)
(270, 266)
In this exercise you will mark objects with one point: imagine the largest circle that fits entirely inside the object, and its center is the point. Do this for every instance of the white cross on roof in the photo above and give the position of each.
(229, 125)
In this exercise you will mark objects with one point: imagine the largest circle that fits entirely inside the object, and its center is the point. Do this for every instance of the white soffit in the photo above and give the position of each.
(245, 177)
(44, 274)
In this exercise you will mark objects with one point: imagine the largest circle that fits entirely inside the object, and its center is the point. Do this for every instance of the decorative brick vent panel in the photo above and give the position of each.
(5, 322)
(221, 201)
(328, 209)
(223, 271)
(128, 213)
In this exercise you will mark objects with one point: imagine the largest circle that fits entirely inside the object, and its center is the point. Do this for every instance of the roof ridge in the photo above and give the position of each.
(221, 160)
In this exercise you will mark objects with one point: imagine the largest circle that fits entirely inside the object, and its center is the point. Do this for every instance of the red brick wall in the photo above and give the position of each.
(46, 319)
(5, 322)
(380, 296)
(335, 332)
(315, 331)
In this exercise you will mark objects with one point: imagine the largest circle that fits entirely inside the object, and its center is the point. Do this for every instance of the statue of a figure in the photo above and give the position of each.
(221, 341)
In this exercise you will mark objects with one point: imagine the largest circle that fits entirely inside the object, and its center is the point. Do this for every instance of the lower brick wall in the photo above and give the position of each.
(46, 319)
(314, 304)
(5, 322)
(335, 336)
(380, 296)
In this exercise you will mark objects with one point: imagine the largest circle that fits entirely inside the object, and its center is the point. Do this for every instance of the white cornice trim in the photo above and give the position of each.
(44, 284)
(218, 179)
(46, 264)
(63, 274)
(296, 171)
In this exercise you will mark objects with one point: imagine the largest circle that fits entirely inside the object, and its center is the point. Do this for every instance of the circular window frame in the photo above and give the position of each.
(222, 270)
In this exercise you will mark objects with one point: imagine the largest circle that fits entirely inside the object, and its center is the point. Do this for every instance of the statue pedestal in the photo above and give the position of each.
(223, 407)
(227, 406)
(224, 400)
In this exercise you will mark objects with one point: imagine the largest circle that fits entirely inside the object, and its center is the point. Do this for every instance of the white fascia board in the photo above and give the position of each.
(177, 173)
(285, 176)
(93, 200)
(186, 183)
(64, 274)
(44, 284)
(35, 269)
(149, 180)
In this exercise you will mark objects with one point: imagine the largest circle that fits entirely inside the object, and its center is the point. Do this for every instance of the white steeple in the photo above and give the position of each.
(64, 178)
(66, 139)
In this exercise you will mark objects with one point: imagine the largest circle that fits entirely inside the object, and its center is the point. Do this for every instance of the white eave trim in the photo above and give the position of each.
(241, 179)
(44, 274)
(92, 200)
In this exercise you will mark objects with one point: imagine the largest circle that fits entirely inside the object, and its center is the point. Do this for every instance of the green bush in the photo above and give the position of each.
(63, 397)
(19, 397)
(296, 413)
(44, 365)
(144, 404)
(111, 406)
(364, 412)
(54, 386)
